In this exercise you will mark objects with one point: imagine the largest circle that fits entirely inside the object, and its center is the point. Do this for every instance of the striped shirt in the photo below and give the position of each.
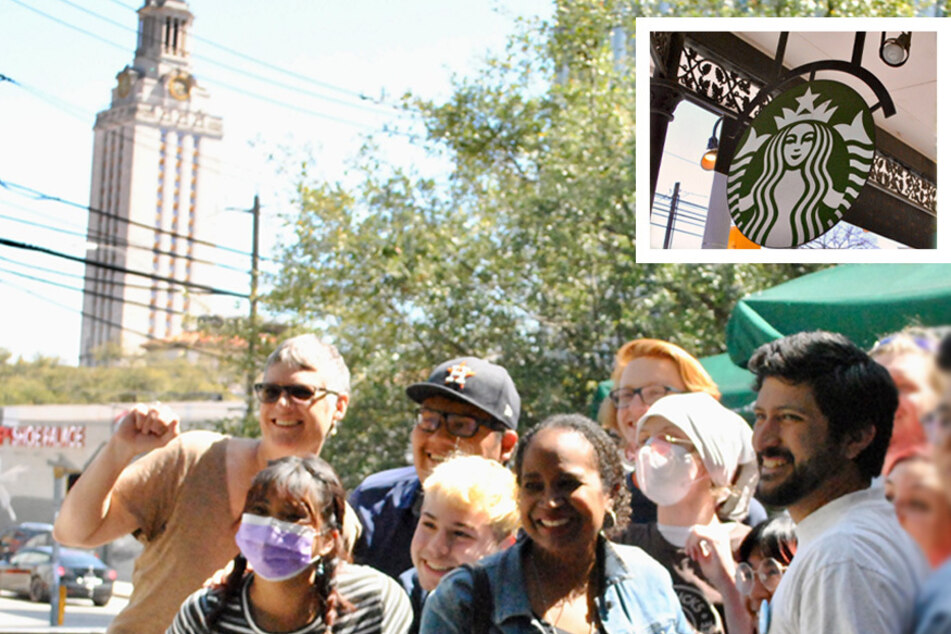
(380, 606)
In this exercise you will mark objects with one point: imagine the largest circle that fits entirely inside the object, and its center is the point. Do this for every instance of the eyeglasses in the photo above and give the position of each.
(769, 571)
(271, 392)
(667, 438)
(459, 425)
(649, 394)
(927, 345)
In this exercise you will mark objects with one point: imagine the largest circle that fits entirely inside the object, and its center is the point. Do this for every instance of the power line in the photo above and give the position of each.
(114, 298)
(283, 104)
(246, 73)
(123, 243)
(108, 322)
(696, 235)
(125, 133)
(284, 71)
(119, 269)
(38, 195)
(85, 278)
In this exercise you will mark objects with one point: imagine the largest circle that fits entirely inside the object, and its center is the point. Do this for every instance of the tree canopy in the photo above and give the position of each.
(149, 377)
(522, 252)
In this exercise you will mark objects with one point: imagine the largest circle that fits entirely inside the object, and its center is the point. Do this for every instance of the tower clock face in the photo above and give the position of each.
(179, 87)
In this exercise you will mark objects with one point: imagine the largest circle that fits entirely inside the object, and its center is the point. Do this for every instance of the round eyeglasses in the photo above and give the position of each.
(271, 392)
(459, 425)
(769, 571)
(622, 397)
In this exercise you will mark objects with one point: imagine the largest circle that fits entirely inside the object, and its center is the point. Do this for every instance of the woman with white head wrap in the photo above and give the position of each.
(695, 460)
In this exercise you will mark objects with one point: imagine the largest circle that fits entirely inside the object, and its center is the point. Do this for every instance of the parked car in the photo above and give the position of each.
(26, 534)
(29, 572)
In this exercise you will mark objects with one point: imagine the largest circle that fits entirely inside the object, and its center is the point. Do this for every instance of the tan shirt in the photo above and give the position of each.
(179, 495)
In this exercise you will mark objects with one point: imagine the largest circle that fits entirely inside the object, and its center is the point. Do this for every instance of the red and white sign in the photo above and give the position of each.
(66, 436)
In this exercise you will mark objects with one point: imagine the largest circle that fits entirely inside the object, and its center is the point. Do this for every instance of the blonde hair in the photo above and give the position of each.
(694, 376)
(477, 484)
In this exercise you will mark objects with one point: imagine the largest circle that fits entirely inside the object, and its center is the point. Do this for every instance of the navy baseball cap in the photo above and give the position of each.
(474, 381)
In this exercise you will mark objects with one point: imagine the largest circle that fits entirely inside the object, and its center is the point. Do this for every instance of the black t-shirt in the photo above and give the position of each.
(702, 604)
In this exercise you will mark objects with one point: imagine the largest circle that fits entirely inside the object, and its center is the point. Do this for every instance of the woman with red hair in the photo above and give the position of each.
(646, 370)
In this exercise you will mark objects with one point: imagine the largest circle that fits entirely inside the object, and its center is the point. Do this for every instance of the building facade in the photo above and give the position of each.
(153, 179)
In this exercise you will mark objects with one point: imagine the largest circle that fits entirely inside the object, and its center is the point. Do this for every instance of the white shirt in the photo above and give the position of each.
(856, 571)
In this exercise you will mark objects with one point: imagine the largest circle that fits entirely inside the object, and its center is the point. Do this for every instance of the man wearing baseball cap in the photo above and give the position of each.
(468, 405)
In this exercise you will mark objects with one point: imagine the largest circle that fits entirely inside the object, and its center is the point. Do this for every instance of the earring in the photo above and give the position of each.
(610, 519)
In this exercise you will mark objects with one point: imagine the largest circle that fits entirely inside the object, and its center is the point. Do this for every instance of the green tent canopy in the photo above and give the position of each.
(734, 382)
(861, 301)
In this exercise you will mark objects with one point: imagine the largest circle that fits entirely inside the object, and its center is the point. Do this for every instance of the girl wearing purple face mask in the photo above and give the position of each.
(694, 458)
(300, 579)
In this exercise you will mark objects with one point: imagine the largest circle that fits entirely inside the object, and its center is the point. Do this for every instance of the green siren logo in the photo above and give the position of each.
(801, 164)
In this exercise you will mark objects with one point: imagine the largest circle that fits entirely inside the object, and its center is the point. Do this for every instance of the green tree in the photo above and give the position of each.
(782, 8)
(147, 377)
(523, 253)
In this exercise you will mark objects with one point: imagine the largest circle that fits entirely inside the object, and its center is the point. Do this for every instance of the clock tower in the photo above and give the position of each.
(153, 183)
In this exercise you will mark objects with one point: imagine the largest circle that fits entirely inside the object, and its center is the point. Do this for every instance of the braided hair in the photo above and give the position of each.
(313, 483)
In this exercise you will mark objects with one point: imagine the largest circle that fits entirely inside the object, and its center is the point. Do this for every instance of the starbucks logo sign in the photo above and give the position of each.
(801, 164)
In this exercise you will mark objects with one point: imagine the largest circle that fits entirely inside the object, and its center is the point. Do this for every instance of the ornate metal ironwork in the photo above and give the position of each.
(894, 177)
(660, 46)
(707, 78)
(664, 97)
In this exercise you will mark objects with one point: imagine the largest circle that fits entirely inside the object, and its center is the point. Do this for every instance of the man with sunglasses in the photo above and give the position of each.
(467, 406)
(824, 413)
(182, 494)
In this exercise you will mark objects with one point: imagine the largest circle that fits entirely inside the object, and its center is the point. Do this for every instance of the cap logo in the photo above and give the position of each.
(458, 374)
(508, 411)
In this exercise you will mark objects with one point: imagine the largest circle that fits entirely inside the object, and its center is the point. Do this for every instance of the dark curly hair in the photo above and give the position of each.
(314, 483)
(606, 452)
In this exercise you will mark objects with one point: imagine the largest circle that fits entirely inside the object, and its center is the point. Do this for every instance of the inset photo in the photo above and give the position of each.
(786, 141)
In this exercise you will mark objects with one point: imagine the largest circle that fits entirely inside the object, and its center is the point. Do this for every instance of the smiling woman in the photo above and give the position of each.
(563, 575)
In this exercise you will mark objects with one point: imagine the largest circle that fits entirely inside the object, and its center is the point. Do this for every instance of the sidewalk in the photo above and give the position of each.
(122, 589)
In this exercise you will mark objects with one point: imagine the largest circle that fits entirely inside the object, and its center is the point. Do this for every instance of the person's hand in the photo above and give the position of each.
(709, 546)
(145, 427)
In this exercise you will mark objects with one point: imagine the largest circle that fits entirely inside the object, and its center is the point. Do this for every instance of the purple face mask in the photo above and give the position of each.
(276, 550)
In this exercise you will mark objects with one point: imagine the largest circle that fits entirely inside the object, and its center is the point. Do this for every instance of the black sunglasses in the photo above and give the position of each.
(271, 392)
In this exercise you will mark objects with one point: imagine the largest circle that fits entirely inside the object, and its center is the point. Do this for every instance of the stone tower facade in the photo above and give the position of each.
(154, 179)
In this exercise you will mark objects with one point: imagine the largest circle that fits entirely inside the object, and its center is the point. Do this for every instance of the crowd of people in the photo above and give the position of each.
(831, 512)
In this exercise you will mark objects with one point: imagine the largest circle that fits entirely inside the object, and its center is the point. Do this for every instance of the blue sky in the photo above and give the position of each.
(317, 57)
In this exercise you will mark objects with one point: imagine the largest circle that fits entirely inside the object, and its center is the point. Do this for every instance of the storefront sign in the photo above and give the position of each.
(64, 437)
(801, 164)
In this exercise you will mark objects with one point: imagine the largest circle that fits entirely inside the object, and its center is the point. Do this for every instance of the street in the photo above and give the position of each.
(16, 611)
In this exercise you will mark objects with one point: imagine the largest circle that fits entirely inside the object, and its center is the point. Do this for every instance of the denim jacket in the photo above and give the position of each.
(638, 596)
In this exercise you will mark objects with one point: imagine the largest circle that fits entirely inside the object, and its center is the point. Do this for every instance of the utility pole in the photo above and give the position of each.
(674, 200)
(253, 311)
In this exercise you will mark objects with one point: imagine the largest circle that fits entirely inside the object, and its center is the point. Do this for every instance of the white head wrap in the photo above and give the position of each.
(723, 440)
